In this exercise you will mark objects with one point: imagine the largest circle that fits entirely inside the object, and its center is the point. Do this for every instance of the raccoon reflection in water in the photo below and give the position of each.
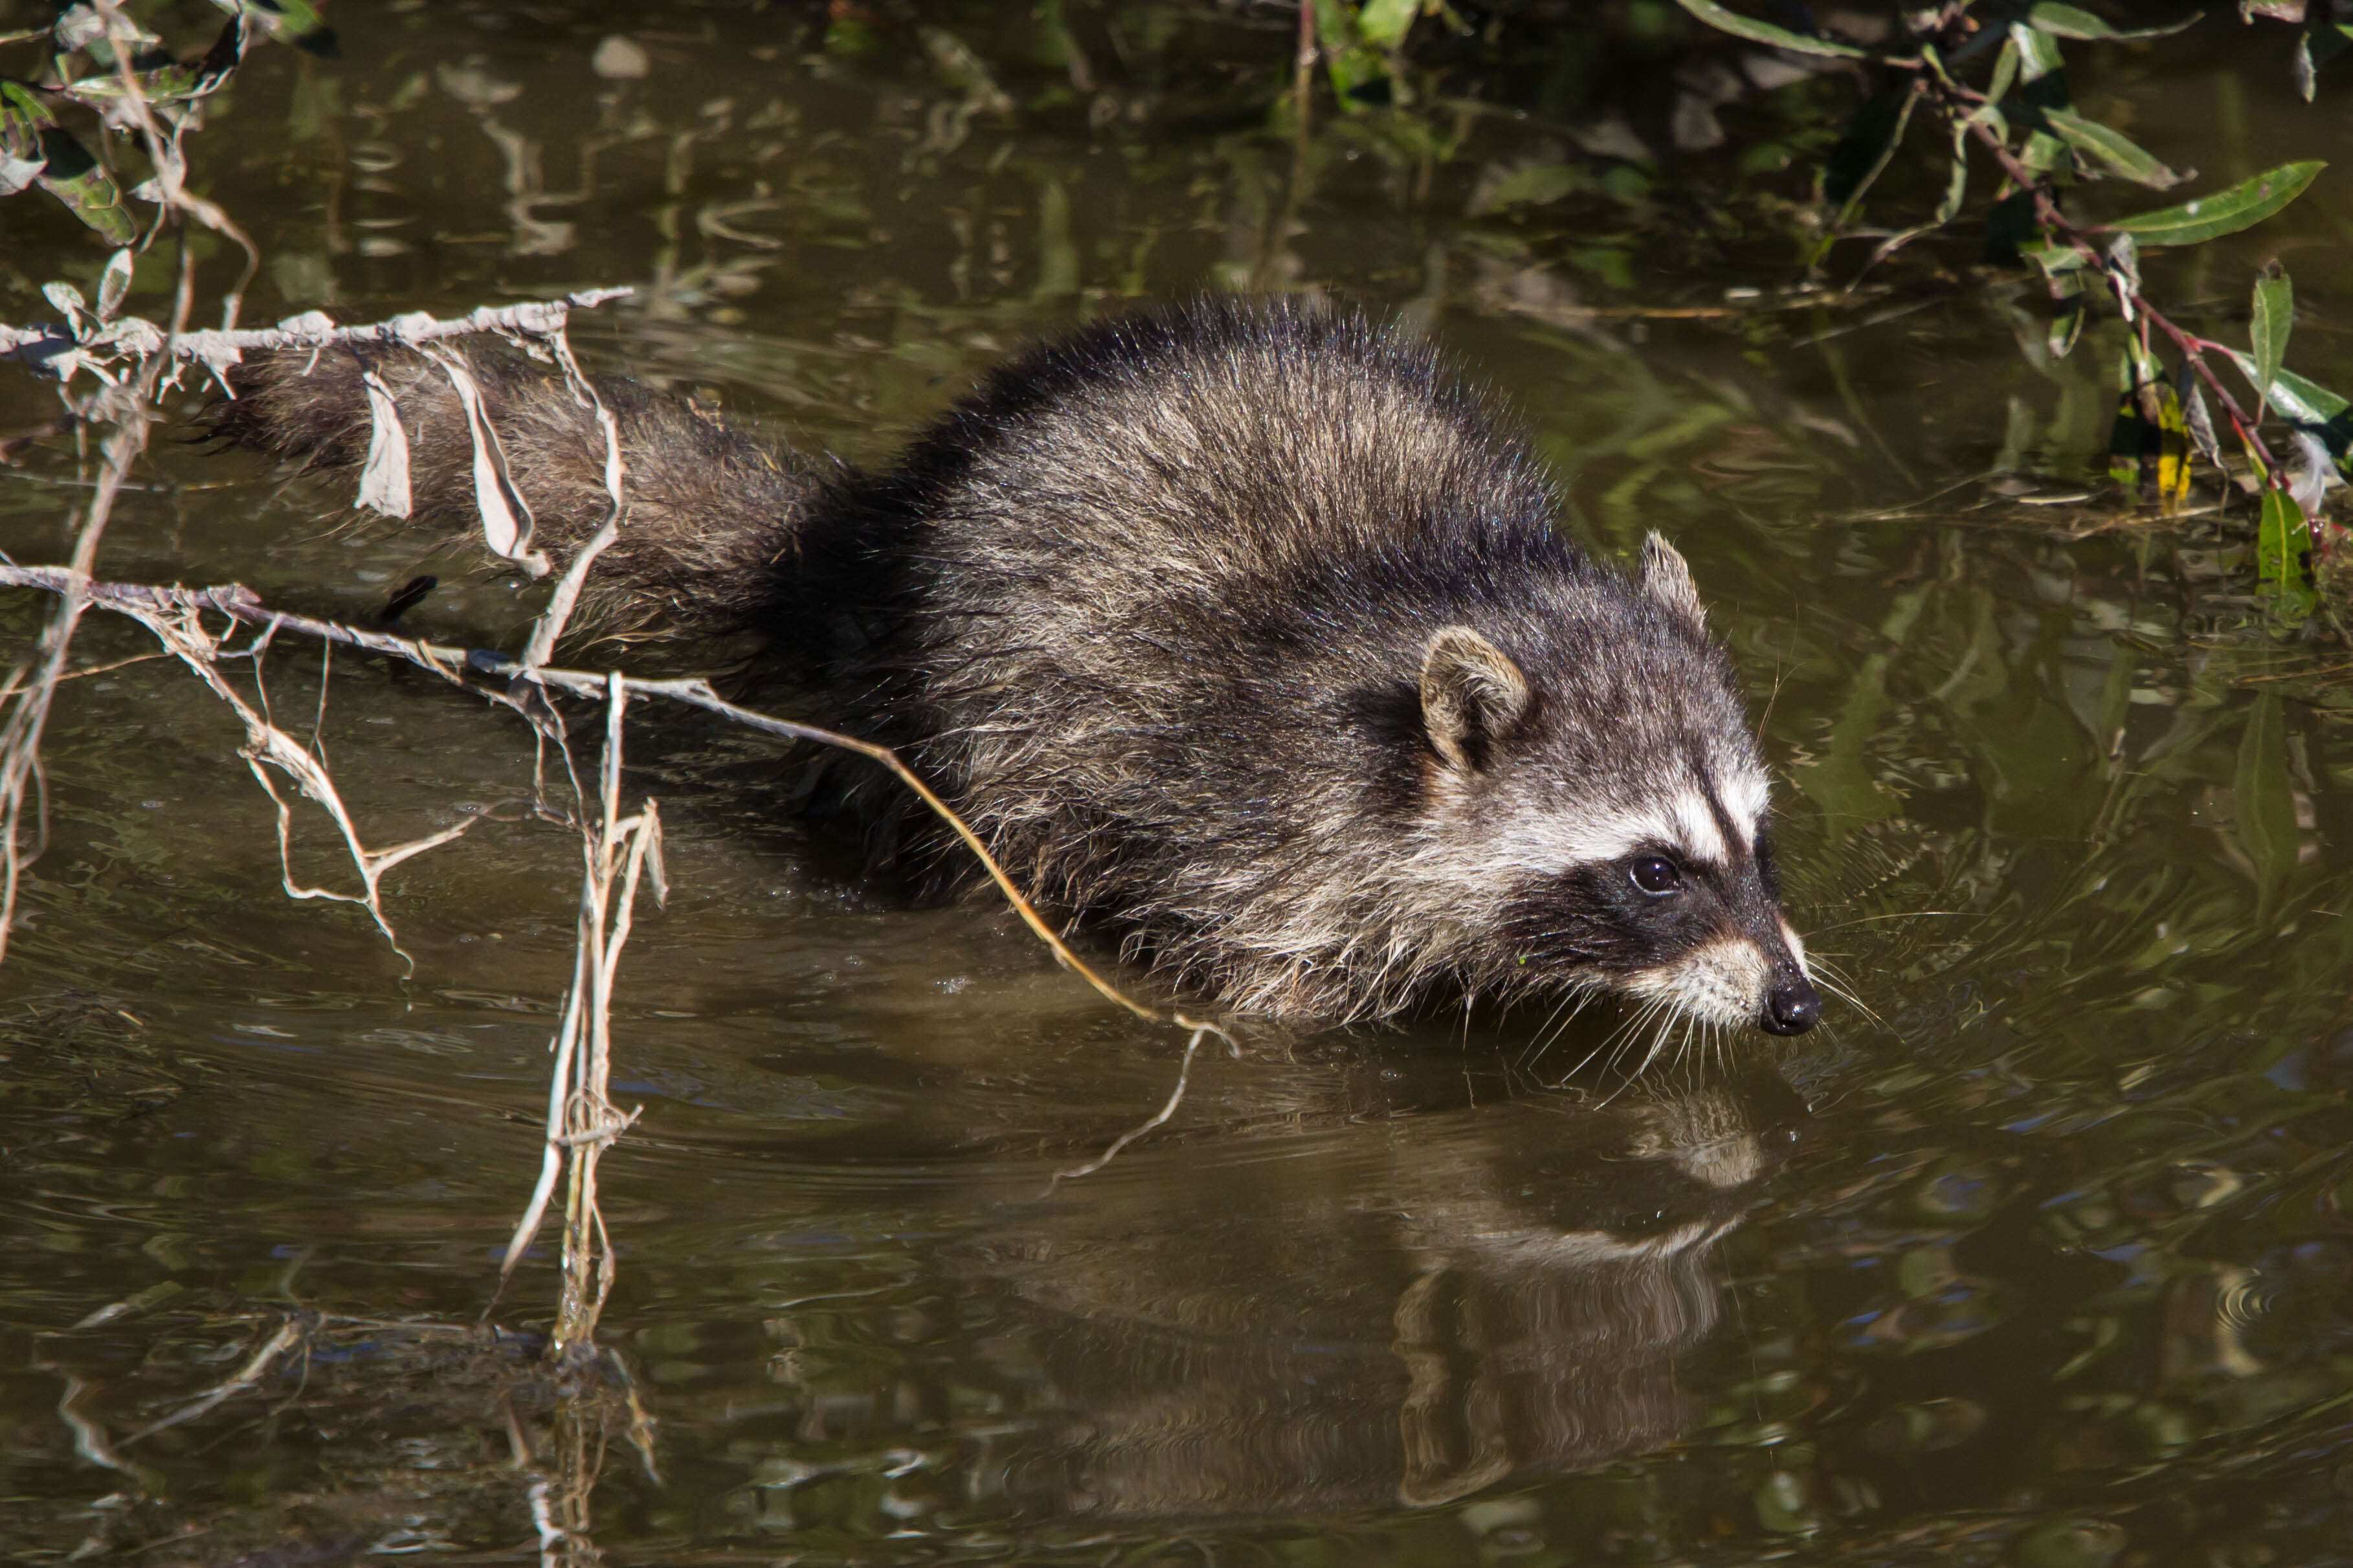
(1239, 630)
(1386, 1303)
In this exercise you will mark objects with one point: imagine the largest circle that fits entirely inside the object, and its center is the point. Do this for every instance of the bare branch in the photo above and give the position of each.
(133, 339)
(452, 663)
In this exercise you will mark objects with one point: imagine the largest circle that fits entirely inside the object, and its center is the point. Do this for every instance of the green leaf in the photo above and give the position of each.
(1957, 181)
(2305, 403)
(2274, 313)
(1358, 73)
(2005, 73)
(1384, 23)
(71, 174)
(2117, 150)
(23, 118)
(2054, 256)
(2284, 556)
(172, 81)
(2045, 156)
(2063, 270)
(2073, 21)
(2244, 205)
(1740, 26)
(2042, 87)
(1957, 189)
(2037, 55)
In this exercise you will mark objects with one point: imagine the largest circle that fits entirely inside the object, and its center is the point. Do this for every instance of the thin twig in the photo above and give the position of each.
(1168, 1109)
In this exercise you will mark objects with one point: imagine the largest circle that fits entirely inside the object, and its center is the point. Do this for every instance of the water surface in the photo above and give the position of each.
(2041, 1256)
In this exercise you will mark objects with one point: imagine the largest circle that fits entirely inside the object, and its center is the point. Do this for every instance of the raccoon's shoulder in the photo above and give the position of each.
(1244, 424)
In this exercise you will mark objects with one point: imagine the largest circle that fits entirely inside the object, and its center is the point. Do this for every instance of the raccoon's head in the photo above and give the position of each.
(1598, 807)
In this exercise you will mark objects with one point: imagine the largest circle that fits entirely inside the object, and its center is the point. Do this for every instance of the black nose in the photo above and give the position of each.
(1791, 1008)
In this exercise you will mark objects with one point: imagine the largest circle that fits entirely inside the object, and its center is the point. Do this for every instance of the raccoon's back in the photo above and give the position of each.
(1213, 455)
(1122, 526)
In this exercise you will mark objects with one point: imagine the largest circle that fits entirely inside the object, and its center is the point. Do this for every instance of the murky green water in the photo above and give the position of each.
(2045, 1258)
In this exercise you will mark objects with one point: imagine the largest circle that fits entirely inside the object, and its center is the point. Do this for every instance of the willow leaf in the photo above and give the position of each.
(1726, 20)
(71, 174)
(2283, 555)
(2075, 22)
(2273, 314)
(296, 21)
(2244, 205)
(2301, 401)
(2117, 150)
(2067, 311)
(1862, 152)
(2038, 56)
(1384, 23)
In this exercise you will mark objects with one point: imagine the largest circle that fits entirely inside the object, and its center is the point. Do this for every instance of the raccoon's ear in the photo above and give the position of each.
(1667, 579)
(1472, 694)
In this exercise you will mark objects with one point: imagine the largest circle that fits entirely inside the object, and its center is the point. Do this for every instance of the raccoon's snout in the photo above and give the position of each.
(1791, 1006)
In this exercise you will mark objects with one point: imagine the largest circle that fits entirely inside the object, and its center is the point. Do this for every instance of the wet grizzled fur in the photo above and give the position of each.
(1165, 609)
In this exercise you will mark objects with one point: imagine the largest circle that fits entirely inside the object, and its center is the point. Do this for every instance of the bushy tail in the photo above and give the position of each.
(715, 515)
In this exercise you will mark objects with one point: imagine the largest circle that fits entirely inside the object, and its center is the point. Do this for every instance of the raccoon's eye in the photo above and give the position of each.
(1655, 875)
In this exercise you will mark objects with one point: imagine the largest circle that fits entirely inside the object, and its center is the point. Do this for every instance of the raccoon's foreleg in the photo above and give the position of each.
(714, 516)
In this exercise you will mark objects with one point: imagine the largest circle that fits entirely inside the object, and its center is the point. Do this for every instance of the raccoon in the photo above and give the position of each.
(1240, 631)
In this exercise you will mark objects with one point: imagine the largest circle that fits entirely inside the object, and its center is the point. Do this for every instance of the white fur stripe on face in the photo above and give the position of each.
(1697, 833)
(1681, 821)
(1797, 946)
(1745, 795)
(1683, 824)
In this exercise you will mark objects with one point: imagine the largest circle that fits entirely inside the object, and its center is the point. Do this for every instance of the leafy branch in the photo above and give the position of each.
(2018, 114)
(94, 58)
